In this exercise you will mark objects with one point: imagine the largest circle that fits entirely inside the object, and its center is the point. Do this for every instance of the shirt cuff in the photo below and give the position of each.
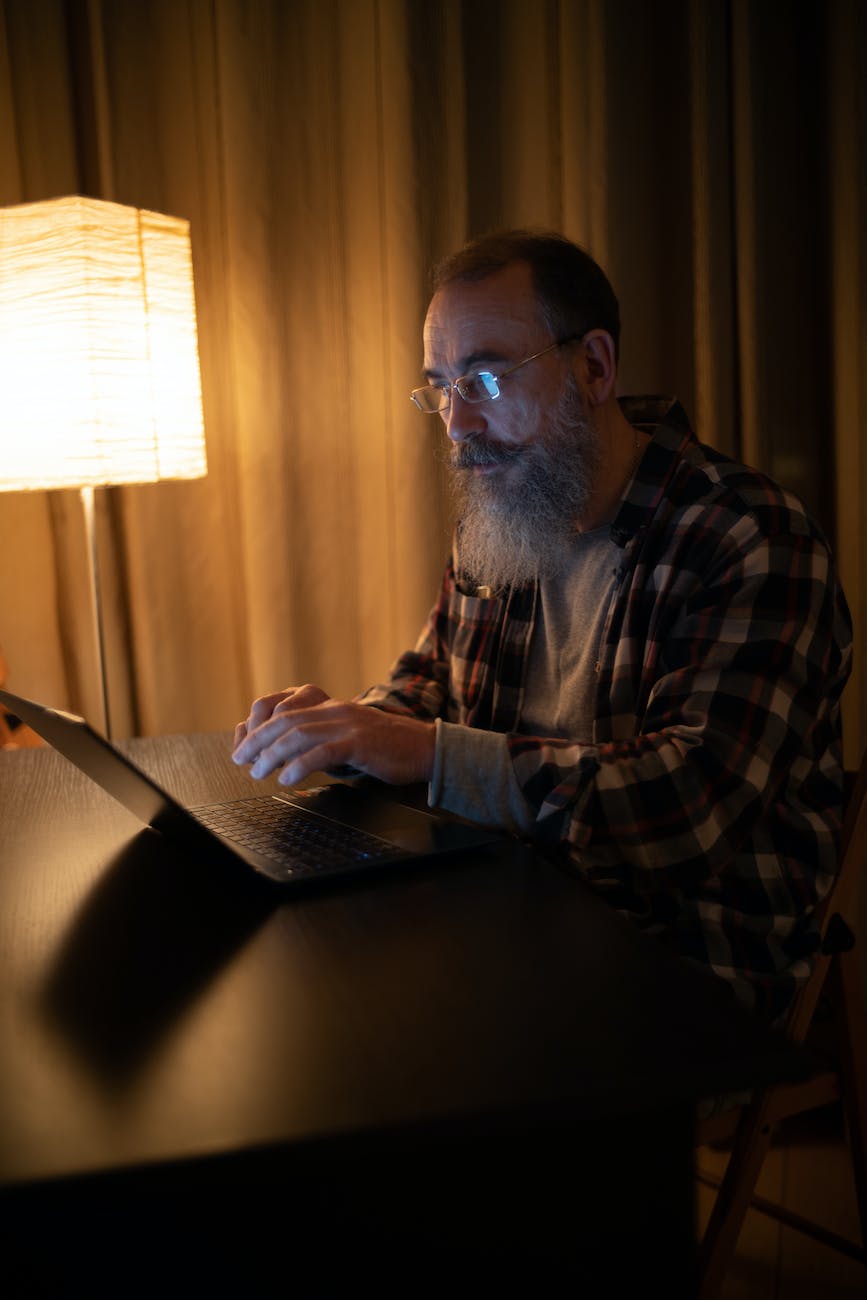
(473, 777)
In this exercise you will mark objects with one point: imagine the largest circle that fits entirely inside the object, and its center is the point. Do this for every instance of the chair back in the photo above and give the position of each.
(844, 1080)
(836, 936)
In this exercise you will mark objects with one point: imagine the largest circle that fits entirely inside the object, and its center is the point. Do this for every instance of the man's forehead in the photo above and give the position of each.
(495, 314)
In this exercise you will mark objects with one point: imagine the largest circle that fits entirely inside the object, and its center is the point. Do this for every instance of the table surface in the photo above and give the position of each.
(152, 1009)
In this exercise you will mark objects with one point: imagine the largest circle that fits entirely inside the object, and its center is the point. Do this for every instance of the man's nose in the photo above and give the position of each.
(463, 419)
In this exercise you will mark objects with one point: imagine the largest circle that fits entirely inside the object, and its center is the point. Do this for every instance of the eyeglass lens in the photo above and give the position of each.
(472, 388)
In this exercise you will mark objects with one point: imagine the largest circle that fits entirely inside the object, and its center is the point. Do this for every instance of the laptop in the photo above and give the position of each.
(291, 838)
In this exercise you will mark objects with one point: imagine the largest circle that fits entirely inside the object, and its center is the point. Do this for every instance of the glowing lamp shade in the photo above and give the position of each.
(99, 366)
(99, 363)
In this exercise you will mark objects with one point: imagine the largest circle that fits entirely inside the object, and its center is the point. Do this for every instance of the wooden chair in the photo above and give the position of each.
(835, 985)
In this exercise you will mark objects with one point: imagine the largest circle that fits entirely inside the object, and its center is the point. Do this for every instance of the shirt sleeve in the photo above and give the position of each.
(418, 683)
(474, 777)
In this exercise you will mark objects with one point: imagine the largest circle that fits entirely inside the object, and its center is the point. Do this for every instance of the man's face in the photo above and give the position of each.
(493, 324)
(522, 464)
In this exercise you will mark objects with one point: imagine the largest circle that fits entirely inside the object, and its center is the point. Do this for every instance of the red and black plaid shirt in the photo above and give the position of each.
(708, 802)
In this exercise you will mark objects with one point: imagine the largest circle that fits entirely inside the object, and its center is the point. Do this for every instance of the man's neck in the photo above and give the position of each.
(621, 448)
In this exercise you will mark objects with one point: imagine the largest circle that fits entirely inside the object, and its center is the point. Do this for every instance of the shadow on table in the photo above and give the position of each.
(149, 938)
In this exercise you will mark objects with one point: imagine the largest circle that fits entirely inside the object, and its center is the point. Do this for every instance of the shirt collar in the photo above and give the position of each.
(668, 425)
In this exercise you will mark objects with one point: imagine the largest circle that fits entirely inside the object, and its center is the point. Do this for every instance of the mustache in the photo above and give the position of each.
(478, 451)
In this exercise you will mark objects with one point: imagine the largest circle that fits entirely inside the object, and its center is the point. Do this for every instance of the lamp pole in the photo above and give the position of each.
(88, 502)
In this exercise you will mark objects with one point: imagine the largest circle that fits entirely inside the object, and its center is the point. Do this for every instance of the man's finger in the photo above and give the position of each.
(300, 697)
(278, 733)
(304, 736)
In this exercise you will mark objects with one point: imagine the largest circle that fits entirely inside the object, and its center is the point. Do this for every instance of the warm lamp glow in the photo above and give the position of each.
(99, 366)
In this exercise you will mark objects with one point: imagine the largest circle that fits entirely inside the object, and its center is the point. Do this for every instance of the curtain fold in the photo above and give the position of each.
(326, 152)
(715, 335)
(844, 381)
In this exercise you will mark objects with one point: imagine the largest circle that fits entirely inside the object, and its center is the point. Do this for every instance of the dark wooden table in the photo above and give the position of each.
(444, 1081)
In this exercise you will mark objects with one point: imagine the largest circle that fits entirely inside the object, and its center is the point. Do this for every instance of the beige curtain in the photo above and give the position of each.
(711, 154)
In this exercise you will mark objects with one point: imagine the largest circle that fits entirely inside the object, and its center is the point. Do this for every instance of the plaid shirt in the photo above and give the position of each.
(707, 805)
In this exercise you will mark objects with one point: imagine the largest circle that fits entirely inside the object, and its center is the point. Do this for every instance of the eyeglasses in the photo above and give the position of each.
(483, 386)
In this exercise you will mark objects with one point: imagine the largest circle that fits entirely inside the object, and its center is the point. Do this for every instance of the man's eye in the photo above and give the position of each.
(480, 386)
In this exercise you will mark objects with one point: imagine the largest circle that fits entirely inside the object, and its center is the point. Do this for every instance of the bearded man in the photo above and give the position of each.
(639, 647)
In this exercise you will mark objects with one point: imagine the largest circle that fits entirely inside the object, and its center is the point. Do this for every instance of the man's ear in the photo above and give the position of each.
(597, 366)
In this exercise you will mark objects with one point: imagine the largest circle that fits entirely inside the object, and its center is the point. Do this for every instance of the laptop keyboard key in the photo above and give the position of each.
(292, 838)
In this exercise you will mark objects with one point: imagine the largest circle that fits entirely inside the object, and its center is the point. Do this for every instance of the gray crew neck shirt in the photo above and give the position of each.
(473, 774)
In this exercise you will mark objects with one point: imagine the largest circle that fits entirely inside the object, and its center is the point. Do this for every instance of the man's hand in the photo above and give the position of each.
(302, 730)
(279, 702)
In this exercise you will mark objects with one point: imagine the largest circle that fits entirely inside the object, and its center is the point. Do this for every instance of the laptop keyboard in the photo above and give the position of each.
(302, 843)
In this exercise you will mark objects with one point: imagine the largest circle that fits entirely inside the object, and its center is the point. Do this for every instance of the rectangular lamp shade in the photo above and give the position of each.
(99, 363)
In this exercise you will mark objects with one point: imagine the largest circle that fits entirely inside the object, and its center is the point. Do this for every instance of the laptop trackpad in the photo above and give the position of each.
(415, 831)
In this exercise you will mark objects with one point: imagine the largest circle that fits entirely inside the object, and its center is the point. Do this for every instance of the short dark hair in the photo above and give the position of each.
(574, 293)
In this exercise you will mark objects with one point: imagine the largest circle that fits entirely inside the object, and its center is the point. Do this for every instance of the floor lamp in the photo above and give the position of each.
(99, 366)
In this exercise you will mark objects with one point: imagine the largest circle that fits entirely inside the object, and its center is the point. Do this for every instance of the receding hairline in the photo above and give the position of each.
(481, 277)
(569, 285)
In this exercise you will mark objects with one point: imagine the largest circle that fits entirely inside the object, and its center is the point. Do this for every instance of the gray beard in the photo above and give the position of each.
(514, 530)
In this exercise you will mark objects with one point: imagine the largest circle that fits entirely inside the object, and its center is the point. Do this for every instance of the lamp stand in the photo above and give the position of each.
(87, 503)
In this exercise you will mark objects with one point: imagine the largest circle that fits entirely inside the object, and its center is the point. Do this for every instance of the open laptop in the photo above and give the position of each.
(291, 838)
